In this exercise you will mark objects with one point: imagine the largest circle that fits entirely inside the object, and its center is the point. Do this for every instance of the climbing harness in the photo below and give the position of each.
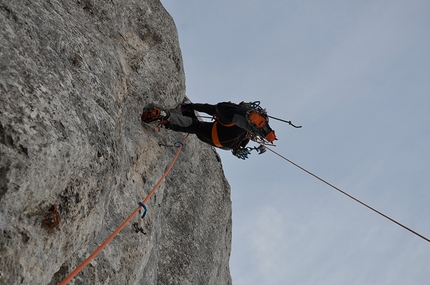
(260, 130)
(350, 196)
(122, 226)
(214, 134)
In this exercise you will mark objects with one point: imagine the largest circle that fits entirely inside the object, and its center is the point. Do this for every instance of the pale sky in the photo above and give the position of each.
(356, 75)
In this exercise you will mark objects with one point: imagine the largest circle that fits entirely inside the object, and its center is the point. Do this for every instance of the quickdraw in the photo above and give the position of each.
(177, 144)
(243, 152)
(136, 225)
(260, 149)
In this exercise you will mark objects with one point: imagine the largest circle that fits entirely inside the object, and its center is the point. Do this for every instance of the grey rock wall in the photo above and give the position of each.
(73, 78)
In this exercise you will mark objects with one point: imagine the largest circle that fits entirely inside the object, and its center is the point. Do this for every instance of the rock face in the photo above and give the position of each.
(73, 78)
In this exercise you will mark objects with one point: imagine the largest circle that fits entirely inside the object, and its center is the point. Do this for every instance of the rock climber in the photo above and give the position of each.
(234, 125)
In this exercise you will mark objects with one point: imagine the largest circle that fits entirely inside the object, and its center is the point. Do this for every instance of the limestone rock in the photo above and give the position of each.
(73, 78)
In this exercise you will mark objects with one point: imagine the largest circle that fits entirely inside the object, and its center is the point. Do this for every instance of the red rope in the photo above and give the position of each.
(110, 238)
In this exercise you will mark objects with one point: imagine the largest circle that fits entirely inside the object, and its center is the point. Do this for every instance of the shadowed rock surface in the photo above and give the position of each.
(73, 78)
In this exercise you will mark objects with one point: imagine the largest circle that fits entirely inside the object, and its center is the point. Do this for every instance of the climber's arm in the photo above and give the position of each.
(205, 108)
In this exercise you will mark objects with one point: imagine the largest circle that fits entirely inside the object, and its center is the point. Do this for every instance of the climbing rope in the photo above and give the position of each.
(355, 199)
(115, 233)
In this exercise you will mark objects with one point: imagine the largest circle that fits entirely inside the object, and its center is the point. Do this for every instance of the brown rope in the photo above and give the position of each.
(122, 226)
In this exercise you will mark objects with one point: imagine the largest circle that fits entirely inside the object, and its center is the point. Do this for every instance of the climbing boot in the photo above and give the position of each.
(154, 114)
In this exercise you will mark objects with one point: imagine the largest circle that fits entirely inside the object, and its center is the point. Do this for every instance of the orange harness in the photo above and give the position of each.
(215, 137)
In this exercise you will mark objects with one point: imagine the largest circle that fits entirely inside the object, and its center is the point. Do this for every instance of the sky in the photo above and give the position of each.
(356, 76)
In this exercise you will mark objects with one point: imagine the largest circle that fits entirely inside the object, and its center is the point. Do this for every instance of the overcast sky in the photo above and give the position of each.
(356, 75)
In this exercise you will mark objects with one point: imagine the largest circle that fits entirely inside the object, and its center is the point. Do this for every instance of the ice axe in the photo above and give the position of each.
(288, 122)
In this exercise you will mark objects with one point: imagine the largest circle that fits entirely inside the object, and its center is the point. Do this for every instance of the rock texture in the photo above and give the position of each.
(73, 78)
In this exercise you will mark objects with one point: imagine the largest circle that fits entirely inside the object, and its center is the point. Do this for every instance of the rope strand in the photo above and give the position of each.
(350, 196)
(110, 238)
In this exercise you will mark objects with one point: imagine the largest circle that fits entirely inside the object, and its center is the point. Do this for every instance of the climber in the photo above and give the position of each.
(234, 125)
